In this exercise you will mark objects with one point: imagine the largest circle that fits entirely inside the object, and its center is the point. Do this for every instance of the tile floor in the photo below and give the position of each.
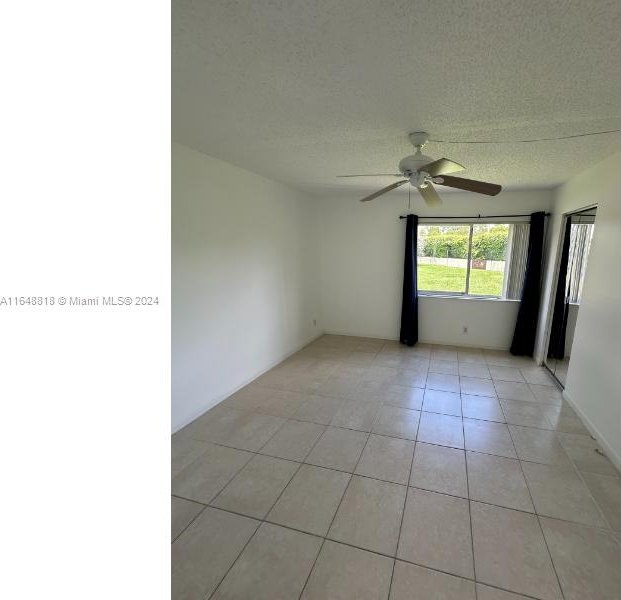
(359, 468)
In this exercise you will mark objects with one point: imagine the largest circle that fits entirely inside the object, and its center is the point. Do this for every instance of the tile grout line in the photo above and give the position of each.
(350, 545)
(334, 517)
(545, 541)
(378, 409)
(268, 511)
(474, 567)
(405, 499)
(198, 514)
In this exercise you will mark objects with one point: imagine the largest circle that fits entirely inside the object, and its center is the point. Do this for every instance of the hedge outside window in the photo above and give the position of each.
(469, 259)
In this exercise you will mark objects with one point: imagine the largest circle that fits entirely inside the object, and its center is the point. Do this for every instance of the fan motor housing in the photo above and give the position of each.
(411, 164)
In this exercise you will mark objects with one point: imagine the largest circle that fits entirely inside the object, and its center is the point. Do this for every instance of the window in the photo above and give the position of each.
(481, 260)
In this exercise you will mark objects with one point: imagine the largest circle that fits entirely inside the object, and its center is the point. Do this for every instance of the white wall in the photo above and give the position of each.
(594, 376)
(361, 269)
(244, 278)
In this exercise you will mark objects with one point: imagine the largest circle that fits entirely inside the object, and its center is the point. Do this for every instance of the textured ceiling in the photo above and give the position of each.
(303, 90)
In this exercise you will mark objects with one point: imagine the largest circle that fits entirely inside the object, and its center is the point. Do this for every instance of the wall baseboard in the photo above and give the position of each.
(435, 342)
(608, 450)
(249, 380)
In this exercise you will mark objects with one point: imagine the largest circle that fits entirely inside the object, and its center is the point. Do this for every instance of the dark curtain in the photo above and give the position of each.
(523, 343)
(409, 307)
(556, 349)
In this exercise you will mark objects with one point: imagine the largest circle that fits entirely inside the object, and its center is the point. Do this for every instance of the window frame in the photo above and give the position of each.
(466, 294)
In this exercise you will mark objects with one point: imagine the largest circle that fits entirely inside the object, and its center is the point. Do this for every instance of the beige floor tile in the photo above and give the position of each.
(293, 440)
(372, 391)
(338, 449)
(359, 358)
(510, 552)
(439, 469)
(411, 582)
(537, 375)
(470, 356)
(346, 573)
(411, 377)
(559, 492)
(439, 353)
(185, 450)
(379, 374)
(356, 415)
(586, 560)
(397, 422)
(183, 512)
(482, 407)
(586, 454)
(498, 480)
(484, 592)
(477, 387)
(527, 414)
(446, 403)
(404, 396)
(506, 374)
(274, 565)
(444, 430)
(442, 382)
(538, 445)
(501, 358)
(255, 489)
(206, 476)
(607, 493)
(280, 403)
(393, 360)
(546, 393)
(436, 532)
(488, 437)
(343, 383)
(480, 371)
(565, 424)
(237, 429)
(370, 515)
(386, 458)
(310, 500)
(318, 409)
(248, 397)
(513, 390)
(204, 552)
(447, 367)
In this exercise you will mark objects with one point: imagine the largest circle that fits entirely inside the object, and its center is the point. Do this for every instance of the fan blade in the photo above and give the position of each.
(481, 187)
(440, 166)
(430, 196)
(374, 175)
(392, 186)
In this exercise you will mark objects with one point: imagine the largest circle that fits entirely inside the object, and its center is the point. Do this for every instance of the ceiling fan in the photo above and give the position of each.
(421, 171)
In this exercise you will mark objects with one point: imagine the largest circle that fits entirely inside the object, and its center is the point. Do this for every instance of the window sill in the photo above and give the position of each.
(460, 297)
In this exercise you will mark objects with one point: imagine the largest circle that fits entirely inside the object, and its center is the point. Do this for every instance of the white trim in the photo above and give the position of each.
(552, 292)
(608, 449)
(420, 341)
(249, 380)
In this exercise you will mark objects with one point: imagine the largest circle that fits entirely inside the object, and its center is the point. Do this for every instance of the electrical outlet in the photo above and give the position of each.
(465, 329)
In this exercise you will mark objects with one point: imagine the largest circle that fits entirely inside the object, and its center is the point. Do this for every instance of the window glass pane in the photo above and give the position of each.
(487, 265)
(442, 258)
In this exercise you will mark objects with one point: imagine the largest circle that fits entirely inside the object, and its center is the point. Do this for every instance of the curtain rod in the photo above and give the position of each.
(476, 216)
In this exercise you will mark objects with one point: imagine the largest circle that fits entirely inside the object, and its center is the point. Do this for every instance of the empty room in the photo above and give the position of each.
(396, 300)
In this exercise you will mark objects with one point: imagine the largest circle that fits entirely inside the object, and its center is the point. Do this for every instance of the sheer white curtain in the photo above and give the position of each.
(517, 253)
